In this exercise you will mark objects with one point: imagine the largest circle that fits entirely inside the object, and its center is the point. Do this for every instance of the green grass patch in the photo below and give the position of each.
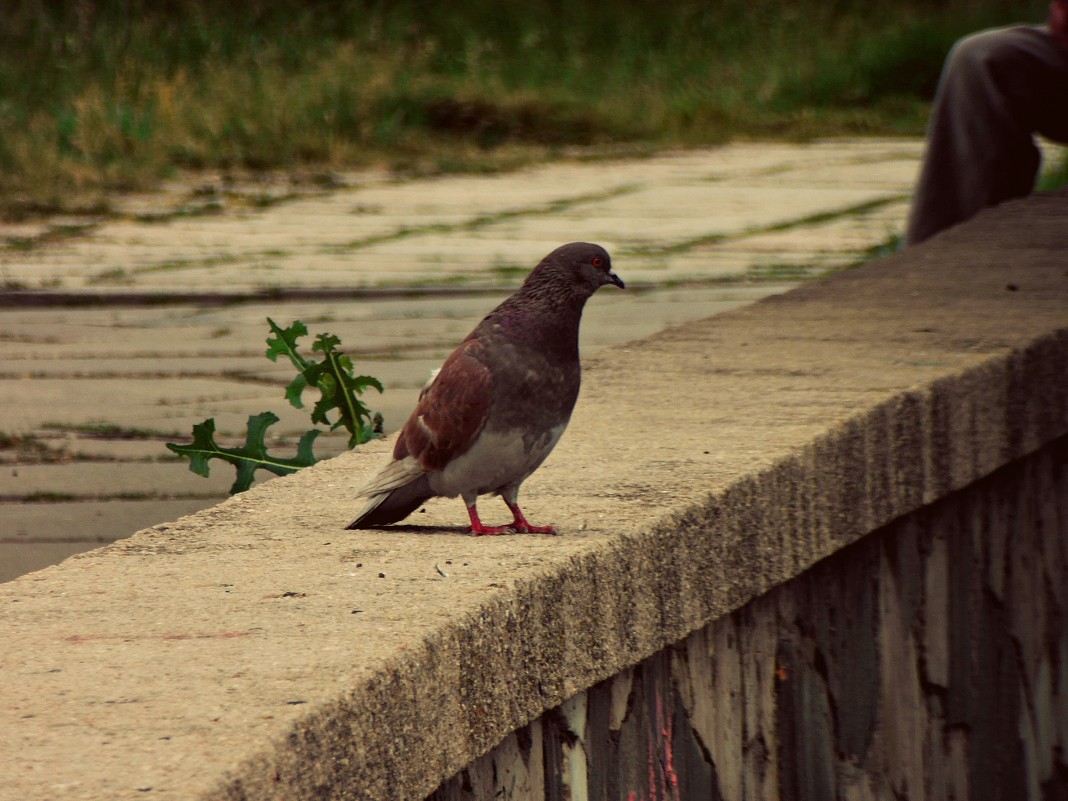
(48, 497)
(29, 448)
(108, 431)
(119, 94)
(1055, 174)
(768, 273)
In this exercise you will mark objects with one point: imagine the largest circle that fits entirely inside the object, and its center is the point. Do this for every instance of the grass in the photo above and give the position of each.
(106, 95)
(107, 431)
(1055, 174)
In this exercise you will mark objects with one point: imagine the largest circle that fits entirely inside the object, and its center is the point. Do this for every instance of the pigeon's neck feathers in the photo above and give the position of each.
(544, 313)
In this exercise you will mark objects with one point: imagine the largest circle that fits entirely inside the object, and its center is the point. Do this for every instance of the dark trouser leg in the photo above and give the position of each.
(998, 88)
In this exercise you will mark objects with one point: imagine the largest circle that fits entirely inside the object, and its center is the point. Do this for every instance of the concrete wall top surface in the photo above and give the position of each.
(257, 650)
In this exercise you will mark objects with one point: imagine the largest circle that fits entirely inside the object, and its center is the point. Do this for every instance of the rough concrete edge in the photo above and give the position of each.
(965, 425)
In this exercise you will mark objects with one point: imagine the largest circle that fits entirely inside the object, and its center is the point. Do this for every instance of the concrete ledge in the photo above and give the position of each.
(256, 650)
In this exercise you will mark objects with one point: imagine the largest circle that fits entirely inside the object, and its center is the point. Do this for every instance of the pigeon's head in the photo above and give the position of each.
(587, 267)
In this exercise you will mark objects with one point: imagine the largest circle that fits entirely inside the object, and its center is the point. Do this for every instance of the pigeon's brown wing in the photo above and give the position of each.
(451, 411)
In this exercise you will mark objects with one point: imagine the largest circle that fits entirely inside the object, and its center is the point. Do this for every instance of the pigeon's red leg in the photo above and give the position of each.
(521, 526)
(478, 529)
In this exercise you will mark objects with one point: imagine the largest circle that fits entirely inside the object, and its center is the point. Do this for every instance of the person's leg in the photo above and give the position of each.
(997, 89)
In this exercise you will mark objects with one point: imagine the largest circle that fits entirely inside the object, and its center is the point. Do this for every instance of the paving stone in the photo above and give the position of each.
(47, 533)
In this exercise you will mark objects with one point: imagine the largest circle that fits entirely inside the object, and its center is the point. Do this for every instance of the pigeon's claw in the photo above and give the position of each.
(527, 528)
(484, 530)
(478, 529)
(521, 526)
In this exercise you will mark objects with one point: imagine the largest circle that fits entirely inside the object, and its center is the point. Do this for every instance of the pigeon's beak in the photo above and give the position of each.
(615, 279)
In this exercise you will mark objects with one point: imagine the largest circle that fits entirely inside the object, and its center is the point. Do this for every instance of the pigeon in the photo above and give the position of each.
(499, 403)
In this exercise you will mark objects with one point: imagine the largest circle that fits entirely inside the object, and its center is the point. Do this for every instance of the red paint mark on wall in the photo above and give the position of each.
(665, 723)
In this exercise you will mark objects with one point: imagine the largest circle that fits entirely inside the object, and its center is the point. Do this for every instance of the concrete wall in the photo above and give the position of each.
(929, 660)
(256, 650)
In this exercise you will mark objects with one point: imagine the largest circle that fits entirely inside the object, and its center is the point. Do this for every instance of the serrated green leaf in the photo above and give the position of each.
(248, 459)
(338, 388)
(295, 391)
(361, 382)
(325, 343)
(284, 342)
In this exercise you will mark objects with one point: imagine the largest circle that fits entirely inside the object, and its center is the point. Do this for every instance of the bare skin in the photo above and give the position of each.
(1058, 21)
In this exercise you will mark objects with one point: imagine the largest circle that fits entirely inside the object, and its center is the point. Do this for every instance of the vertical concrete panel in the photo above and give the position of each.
(936, 612)
(727, 746)
(902, 712)
(641, 767)
(621, 686)
(1026, 603)
(959, 777)
(995, 761)
(454, 789)
(510, 772)
(480, 778)
(758, 627)
(694, 775)
(707, 674)
(1059, 710)
(573, 750)
(805, 727)
(838, 609)
(555, 736)
(988, 519)
(959, 692)
(1054, 522)
(531, 743)
(1037, 723)
(936, 769)
(600, 749)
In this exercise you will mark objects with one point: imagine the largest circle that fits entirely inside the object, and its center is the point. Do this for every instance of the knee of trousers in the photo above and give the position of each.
(977, 53)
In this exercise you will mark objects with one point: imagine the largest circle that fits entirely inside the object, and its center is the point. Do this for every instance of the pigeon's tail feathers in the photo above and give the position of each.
(393, 506)
(394, 475)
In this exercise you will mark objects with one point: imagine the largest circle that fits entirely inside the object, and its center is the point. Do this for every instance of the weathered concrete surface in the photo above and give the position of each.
(167, 369)
(256, 650)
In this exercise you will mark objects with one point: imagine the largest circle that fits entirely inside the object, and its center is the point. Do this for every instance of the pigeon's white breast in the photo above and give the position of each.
(495, 460)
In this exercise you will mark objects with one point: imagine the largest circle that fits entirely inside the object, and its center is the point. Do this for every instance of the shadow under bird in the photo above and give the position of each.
(499, 403)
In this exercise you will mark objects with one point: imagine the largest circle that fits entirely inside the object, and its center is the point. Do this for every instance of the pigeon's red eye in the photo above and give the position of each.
(597, 261)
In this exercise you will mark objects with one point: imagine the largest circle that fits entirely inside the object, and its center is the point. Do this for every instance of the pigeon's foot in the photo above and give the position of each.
(484, 530)
(477, 529)
(527, 528)
(521, 526)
